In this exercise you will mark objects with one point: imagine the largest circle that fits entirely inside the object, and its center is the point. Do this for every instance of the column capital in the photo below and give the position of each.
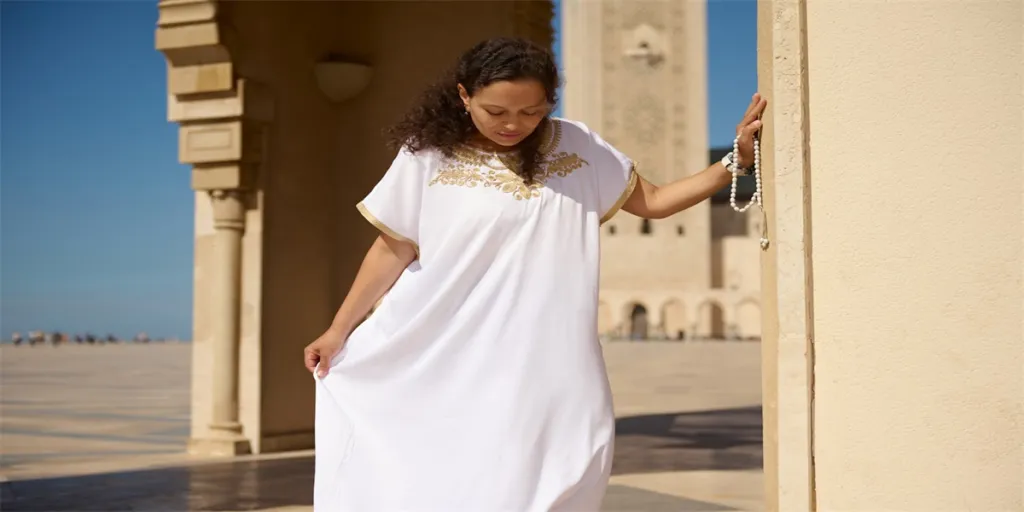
(228, 208)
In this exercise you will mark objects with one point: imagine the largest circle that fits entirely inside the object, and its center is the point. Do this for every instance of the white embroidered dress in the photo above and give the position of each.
(478, 384)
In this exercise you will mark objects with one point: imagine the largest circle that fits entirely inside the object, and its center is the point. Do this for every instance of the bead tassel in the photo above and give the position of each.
(756, 198)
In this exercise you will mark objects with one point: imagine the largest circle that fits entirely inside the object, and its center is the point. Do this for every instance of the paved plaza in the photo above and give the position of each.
(103, 428)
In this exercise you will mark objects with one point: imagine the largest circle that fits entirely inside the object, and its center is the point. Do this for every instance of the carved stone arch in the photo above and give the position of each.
(637, 320)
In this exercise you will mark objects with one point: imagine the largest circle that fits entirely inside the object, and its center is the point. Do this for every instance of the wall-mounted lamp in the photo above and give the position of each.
(342, 81)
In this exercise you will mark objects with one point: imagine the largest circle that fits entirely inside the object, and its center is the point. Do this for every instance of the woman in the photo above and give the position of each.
(478, 384)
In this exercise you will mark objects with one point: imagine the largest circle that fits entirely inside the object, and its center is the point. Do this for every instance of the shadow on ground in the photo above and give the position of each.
(724, 439)
(248, 485)
(728, 439)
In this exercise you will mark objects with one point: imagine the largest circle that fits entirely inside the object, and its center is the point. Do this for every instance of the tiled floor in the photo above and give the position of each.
(103, 428)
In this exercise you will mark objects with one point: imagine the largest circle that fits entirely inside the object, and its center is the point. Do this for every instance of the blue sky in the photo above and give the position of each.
(95, 211)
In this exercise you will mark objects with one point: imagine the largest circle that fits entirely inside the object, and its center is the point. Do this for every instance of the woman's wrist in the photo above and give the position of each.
(338, 329)
(732, 159)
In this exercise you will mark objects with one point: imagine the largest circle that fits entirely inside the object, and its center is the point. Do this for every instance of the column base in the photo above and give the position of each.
(219, 446)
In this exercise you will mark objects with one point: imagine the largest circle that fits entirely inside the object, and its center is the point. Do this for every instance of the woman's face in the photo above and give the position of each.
(507, 112)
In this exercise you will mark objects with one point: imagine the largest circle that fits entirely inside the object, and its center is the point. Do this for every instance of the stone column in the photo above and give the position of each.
(655, 319)
(223, 121)
(229, 225)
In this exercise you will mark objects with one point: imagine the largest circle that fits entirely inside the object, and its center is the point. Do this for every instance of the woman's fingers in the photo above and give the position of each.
(311, 359)
(754, 110)
(752, 128)
(751, 122)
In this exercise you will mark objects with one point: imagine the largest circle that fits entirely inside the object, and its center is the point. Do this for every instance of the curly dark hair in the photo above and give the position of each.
(438, 120)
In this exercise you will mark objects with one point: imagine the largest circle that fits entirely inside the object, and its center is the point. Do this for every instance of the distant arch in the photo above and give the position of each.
(638, 322)
(673, 317)
(710, 321)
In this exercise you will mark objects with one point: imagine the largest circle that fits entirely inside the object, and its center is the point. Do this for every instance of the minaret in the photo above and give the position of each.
(636, 72)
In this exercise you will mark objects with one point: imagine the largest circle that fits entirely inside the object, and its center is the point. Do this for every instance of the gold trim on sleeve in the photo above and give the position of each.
(633, 178)
(384, 228)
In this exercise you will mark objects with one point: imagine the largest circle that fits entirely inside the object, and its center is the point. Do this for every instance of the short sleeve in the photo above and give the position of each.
(616, 176)
(394, 204)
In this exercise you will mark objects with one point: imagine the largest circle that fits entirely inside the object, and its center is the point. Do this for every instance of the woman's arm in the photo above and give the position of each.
(650, 201)
(383, 263)
(653, 202)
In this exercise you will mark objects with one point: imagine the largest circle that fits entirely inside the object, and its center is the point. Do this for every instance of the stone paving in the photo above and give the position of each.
(104, 428)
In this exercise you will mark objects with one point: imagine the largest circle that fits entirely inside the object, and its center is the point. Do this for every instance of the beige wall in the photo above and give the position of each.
(917, 231)
(895, 162)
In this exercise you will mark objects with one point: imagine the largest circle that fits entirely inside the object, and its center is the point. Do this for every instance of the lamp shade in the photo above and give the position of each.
(342, 81)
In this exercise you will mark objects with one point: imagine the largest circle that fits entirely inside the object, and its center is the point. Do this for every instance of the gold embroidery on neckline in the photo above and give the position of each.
(470, 167)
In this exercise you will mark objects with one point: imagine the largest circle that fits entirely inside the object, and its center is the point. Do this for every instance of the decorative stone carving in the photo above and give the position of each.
(646, 45)
(644, 120)
(243, 100)
(677, 61)
(222, 116)
(610, 62)
(644, 12)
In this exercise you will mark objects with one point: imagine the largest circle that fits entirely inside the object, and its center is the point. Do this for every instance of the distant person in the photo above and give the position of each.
(479, 383)
(16, 338)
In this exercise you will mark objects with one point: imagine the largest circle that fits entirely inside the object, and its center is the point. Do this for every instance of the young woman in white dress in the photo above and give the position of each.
(478, 384)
